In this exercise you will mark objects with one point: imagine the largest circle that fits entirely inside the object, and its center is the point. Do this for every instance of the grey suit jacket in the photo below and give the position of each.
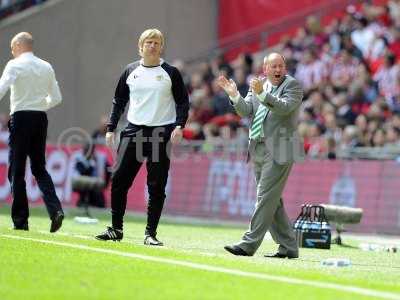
(280, 125)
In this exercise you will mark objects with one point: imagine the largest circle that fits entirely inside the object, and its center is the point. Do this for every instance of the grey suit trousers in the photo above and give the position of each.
(269, 213)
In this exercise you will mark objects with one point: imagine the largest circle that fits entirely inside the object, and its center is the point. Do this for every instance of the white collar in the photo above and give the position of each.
(268, 83)
(161, 62)
(26, 54)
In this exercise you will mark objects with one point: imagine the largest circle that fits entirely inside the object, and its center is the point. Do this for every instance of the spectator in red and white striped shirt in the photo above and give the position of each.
(311, 72)
(344, 69)
(388, 77)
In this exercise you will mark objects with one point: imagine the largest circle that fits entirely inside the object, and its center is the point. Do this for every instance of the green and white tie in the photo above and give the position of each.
(256, 129)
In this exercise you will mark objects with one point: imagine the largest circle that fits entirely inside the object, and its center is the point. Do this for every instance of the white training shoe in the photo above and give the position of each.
(152, 241)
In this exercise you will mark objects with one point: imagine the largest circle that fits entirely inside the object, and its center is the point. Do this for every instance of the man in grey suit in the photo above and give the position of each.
(274, 146)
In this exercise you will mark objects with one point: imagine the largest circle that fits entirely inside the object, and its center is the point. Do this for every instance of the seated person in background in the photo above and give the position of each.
(88, 165)
(99, 134)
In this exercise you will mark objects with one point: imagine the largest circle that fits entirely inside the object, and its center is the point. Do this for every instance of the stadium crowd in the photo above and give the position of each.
(10, 7)
(349, 70)
(350, 73)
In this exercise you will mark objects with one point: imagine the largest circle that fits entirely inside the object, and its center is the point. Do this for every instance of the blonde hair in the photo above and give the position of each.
(150, 34)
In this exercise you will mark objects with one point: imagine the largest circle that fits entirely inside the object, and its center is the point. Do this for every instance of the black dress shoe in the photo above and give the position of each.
(21, 227)
(280, 255)
(236, 250)
(56, 221)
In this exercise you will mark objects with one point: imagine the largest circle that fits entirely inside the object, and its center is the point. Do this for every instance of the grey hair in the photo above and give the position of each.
(266, 58)
(24, 38)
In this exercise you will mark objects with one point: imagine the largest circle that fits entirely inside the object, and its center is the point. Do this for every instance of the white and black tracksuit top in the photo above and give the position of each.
(157, 96)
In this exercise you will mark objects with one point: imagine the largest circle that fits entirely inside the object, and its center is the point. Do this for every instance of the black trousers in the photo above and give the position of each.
(142, 143)
(91, 198)
(28, 132)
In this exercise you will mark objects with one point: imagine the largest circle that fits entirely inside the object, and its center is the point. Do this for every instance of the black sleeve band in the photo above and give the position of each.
(121, 98)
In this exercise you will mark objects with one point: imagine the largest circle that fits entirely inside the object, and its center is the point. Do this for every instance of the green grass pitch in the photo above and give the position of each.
(71, 264)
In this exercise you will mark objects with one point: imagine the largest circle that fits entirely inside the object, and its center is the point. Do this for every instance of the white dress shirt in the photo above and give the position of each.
(32, 82)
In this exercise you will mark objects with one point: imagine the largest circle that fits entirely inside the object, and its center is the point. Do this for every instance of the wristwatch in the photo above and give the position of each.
(179, 127)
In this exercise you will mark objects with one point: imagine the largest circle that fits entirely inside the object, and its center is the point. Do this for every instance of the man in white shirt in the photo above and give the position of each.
(34, 90)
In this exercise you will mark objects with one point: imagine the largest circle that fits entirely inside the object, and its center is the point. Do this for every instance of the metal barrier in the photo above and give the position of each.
(371, 153)
(228, 147)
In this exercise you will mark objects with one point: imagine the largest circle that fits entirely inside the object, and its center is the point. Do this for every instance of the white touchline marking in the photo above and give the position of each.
(204, 267)
(79, 236)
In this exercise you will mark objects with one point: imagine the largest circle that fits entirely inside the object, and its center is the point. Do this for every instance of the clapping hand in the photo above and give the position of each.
(229, 86)
(256, 85)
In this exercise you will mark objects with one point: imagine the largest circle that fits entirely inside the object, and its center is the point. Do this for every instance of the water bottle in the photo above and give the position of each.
(86, 220)
(336, 262)
(368, 247)
(391, 248)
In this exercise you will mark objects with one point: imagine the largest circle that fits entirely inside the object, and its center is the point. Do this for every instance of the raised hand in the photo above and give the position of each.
(229, 86)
